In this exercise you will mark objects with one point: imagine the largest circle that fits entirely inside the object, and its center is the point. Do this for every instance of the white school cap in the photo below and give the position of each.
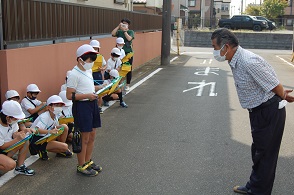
(114, 73)
(95, 43)
(66, 101)
(12, 108)
(84, 49)
(54, 99)
(120, 40)
(116, 51)
(11, 93)
(33, 88)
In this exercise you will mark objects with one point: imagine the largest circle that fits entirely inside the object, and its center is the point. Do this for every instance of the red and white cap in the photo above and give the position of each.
(12, 108)
(84, 49)
(54, 99)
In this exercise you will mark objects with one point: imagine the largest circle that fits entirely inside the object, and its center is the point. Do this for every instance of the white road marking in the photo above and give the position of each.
(10, 174)
(285, 61)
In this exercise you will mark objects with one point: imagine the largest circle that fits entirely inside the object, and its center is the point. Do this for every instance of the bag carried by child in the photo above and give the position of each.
(77, 136)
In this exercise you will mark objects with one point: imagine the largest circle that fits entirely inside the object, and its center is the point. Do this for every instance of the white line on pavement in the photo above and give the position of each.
(285, 61)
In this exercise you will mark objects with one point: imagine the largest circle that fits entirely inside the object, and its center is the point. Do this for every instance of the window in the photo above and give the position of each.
(191, 3)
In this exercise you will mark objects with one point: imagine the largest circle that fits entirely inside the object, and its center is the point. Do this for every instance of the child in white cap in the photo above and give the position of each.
(31, 106)
(99, 66)
(120, 44)
(12, 95)
(46, 123)
(113, 62)
(87, 117)
(66, 112)
(9, 135)
(117, 95)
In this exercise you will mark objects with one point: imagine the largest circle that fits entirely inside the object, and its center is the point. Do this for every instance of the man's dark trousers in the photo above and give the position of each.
(267, 127)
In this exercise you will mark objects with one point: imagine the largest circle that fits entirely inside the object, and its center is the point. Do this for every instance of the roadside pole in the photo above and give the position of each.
(166, 30)
(178, 36)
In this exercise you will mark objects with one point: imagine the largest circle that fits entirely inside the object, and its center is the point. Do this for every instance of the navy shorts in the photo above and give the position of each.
(35, 149)
(88, 115)
(97, 76)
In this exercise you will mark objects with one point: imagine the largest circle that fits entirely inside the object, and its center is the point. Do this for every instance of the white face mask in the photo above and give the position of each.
(88, 66)
(119, 47)
(217, 55)
(57, 110)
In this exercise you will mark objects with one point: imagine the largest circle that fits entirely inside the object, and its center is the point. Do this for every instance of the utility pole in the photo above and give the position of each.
(166, 29)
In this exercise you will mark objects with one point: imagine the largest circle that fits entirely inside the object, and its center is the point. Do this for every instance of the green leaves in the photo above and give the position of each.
(270, 9)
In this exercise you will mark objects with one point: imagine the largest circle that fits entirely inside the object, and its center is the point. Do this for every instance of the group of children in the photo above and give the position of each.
(30, 120)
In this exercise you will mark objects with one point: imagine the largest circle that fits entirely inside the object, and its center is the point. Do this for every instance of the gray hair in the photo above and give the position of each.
(224, 36)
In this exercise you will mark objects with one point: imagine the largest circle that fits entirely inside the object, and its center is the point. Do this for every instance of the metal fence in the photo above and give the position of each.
(29, 20)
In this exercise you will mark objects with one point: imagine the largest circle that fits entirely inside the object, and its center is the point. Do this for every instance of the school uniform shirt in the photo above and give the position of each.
(7, 132)
(63, 87)
(44, 121)
(81, 81)
(26, 104)
(66, 111)
(113, 64)
(123, 54)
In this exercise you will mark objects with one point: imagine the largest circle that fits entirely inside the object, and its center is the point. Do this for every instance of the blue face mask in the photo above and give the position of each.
(217, 55)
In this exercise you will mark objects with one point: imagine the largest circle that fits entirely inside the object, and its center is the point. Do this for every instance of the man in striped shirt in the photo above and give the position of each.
(259, 91)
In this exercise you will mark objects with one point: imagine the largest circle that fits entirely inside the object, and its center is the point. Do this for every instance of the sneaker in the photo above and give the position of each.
(86, 170)
(240, 189)
(94, 166)
(43, 155)
(105, 103)
(123, 104)
(127, 88)
(23, 170)
(66, 154)
(100, 110)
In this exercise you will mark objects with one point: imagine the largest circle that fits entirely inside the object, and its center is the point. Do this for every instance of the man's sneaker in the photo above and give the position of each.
(43, 155)
(94, 166)
(66, 154)
(24, 170)
(100, 110)
(86, 170)
(127, 88)
(123, 104)
(105, 103)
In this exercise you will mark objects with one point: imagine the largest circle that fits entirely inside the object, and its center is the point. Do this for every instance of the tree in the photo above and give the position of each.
(254, 10)
(273, 8)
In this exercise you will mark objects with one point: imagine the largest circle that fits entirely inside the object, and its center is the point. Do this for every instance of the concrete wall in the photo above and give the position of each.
(47, 65)
(246, 40)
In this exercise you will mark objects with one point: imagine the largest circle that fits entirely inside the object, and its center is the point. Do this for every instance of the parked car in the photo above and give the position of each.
(243, 22)
(271, 24)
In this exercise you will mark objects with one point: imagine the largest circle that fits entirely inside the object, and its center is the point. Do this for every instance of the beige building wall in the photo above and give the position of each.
(47, 65)
(102, 3)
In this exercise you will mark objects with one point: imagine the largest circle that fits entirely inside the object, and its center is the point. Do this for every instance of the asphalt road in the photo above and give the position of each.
(176, 137)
